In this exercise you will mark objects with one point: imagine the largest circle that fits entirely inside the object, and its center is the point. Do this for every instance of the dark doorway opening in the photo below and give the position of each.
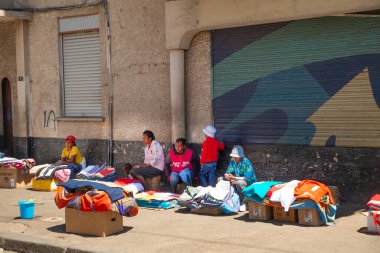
(7, 116)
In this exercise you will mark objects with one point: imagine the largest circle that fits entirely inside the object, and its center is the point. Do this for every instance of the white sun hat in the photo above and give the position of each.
(209, 131)
(237, 151)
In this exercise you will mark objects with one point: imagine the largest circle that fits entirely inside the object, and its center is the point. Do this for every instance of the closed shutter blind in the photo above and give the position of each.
(81, 74)
(307, 82)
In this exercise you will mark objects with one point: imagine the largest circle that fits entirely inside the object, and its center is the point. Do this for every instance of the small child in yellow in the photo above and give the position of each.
(72, 156)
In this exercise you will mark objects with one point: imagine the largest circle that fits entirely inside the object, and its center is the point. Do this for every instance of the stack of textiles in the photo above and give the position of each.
(157, 200)
(90, 196)
(59, 171)
(9, 162)
(131, 185)
(374, 203)
(106, 175)
(98, 173)
(222, 196)
(309, 193)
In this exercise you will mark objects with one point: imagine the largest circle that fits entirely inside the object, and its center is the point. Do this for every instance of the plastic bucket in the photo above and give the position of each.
(26, 209)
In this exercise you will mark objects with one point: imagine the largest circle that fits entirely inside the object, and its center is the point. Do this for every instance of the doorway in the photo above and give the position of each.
(7, 116)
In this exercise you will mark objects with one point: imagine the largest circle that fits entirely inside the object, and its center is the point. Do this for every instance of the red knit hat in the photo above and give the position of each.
(70, 138)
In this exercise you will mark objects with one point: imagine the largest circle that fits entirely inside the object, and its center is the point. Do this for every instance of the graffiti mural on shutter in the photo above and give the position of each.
(308, 82)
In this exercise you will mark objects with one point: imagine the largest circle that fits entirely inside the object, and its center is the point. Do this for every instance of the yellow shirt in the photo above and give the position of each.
(67, 153)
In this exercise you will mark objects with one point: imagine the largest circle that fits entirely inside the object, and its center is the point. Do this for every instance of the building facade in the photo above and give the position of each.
(297, 83)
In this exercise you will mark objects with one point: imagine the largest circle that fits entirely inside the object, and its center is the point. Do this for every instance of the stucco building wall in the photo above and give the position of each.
(8, 67)
(198, 87)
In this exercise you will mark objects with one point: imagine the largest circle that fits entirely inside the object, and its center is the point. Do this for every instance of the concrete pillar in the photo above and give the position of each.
(177, 92)
(23, 94)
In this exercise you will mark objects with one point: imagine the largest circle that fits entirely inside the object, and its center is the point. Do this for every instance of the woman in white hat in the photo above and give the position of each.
(240, 170)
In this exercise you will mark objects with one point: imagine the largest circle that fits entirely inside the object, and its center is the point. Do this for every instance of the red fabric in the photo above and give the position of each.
(70, 138)
(273, 189)
(181, 161)
(375, 197)
(210, 148)
(126, 181)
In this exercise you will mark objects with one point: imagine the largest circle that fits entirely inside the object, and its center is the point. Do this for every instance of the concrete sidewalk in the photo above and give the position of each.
(177, 231)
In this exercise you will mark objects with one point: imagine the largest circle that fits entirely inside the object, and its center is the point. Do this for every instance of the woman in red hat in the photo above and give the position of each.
(72, 156)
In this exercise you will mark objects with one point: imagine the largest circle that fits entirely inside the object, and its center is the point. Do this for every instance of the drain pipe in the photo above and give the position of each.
(110, 86)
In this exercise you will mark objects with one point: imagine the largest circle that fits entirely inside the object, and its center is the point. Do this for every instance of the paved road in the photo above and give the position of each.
(176, 231)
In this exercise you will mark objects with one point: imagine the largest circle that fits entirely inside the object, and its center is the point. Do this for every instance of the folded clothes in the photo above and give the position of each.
(90, 171)
(157, 200)
(49, 172)
(10, 162)
(374, 203)
(95, 200)
(34, 169)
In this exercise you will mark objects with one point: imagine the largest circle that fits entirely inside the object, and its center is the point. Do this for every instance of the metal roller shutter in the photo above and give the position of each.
(307, 82)
(82, 75)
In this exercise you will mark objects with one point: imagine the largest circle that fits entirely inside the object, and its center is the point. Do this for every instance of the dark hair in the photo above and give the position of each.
(149, 134)
(181, 140)
(127, 167)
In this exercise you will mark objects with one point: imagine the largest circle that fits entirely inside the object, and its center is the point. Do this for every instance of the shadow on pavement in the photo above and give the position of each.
(62, 230)
(364, 230)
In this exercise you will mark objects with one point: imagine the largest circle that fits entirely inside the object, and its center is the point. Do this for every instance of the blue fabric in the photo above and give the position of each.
(159, 204)
(186, 176)
(75, 168)
(257, 191)
(231, 204)
(207, 169)
(115, 193)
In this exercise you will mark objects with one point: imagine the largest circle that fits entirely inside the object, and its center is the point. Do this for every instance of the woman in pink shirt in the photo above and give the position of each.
(154, 161)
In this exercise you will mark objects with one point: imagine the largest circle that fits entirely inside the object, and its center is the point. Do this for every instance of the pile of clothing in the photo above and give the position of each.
(374, 203)
(157, 200)
(295, 194)
(10, 162)
(130, 185)
(58, 171)
(222, 196)
(373, 221)
(98, 173)
(91, 196)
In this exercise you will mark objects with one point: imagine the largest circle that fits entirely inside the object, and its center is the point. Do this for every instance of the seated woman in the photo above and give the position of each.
(72, 156)
(179, 164)
(240, 171)
(154, 161)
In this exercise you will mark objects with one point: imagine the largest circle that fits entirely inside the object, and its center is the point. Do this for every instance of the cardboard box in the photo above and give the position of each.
(47, 185)
(372, 227)
(14, 178)
(280, 215)
(93, 223)
(209, 211)
(259, 211)
(335, 194)
(309, 217)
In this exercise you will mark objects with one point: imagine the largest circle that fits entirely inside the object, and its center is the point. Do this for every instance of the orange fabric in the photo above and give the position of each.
(62, 197)
(310, 189)
(97, 202)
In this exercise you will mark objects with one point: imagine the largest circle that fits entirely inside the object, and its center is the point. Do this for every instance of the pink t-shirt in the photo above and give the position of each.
(154, 155)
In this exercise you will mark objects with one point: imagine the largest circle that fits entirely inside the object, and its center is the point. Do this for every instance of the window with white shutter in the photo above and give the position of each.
(80, 66)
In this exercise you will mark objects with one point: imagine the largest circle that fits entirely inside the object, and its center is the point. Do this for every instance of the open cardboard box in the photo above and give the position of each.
(93, 223)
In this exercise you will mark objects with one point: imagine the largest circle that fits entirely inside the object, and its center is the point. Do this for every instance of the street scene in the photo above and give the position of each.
(189, 126)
